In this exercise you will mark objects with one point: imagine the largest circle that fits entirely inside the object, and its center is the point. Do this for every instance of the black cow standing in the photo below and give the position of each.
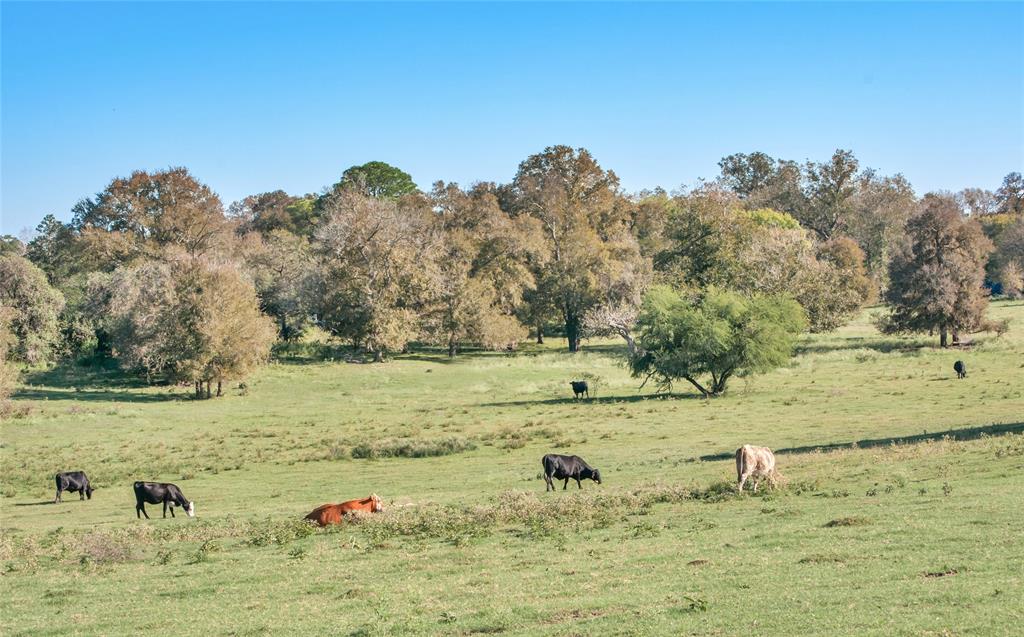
(566, 468)
(161, 492)
(579, 388)
(72, 481)
(960, 369)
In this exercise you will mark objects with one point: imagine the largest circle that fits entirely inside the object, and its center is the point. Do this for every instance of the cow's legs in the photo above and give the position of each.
(566, 485)
(578, 485)
(141, 508)
(547, 483)
(743, 479)
(81, 494)
(56, 498)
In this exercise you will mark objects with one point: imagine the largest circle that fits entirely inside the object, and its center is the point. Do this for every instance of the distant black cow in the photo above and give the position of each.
(579, 388)
(566, 468)
(160, 492)
(72, 481)
(960, 369)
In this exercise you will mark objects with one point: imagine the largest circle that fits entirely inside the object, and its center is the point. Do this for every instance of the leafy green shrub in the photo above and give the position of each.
(204, 551)
(279, 532)
(713, 336)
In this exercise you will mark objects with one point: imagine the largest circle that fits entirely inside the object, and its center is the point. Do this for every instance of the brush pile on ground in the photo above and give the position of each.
(526, 513)
(533, 514)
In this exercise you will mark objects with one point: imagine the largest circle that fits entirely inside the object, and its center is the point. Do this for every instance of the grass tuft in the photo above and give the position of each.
(854, 520)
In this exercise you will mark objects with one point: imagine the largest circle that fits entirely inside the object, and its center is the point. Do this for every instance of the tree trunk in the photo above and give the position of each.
(218, 389)
(572, 332)
(630, 343)
(207, 389)
(943, 337)
(956, 337)
(453, 347)
(378, 356)
(199, 389)
(719, 387)
(540, 334)
(701, 388)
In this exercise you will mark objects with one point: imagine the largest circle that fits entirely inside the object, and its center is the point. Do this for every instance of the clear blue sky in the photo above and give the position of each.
(255, 97)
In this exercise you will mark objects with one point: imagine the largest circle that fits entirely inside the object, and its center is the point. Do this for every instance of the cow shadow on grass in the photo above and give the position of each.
(965, 433)
(595, 400)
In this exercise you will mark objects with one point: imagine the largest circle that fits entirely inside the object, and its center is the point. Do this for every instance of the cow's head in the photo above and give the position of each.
(88, 493)
(595, 475)
(190, 509)
(376, 504)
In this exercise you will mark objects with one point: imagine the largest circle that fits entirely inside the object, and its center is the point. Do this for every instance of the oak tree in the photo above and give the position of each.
(937, 278)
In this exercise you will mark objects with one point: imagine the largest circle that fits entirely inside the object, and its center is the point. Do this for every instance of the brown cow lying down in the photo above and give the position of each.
(334, 513)
(754, 462)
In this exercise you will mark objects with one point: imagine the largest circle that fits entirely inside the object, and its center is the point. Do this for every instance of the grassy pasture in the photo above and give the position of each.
(901, 511)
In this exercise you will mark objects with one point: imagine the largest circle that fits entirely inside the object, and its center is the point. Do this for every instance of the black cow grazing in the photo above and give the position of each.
(579, 388)
(72, 481)
(566, 468)
(960, 369)
(157, 492)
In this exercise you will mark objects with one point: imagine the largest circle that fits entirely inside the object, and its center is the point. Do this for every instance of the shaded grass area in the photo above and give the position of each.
(964, 433)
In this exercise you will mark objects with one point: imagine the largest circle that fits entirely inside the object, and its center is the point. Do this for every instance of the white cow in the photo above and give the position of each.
(755, 462)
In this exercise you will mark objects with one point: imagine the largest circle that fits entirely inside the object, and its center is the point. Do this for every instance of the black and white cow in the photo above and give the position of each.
(567, 468)
(161, 492)
(72, 481)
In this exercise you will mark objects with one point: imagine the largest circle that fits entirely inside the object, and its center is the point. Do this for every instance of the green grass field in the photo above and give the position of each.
(901, 512)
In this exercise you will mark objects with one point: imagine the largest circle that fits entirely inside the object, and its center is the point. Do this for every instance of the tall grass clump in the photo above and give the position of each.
(408, 448)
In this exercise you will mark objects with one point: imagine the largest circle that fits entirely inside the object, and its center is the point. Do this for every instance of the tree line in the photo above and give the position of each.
(714, 280)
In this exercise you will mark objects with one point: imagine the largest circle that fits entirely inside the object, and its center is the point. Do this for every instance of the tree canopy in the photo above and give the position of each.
(31, 307)
(186, 320)
(590, 257)
(706, 338)
(376, 179)
(560, 249)
(375, 270)
(936, 279)
(134, 215)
